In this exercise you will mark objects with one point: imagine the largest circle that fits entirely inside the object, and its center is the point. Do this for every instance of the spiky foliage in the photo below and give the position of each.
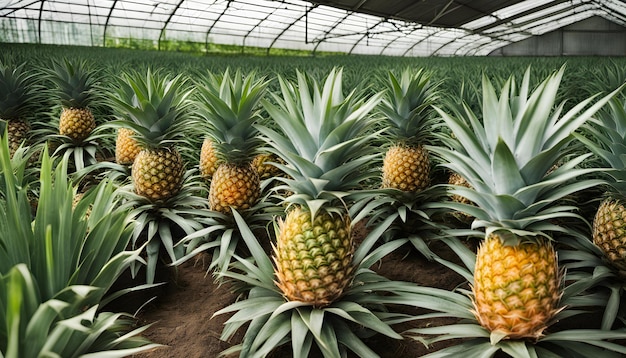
(508, 160)
(76, 88)
(230, 108)
(467, 336)
(58, 268)
(155, 106)
(606, 137)
(407, 110)
(18, 101)
(365, 308)
(324, 139)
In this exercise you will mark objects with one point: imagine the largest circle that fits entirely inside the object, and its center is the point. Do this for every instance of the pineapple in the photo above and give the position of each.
(324, 139)
(607, 139)
(509, 160)
(155, 106)
(263, 164)
(76, 87)
(126, 147)
(230, 108)
(17, 101)
(408, 113)
(208, 159)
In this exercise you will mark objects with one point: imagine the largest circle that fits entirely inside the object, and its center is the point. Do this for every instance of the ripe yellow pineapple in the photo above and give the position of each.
(208, 159)
(314, 257)
(230, 108)
(155, 106)
(126, 147)
(76, 87)
(314, 248)
(516, 189)
(407, 109)
(516, 287)
(17, 102)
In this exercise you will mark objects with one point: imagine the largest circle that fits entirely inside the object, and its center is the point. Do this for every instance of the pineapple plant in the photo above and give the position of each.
(229, 106)
(155, 106)
(508, 159)
(317, 288)
(17, 102)
(76, 87)
(606, 137)
(407, 110)
(329, 158)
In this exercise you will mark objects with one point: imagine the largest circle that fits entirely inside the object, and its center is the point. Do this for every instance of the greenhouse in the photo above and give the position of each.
(286, 178)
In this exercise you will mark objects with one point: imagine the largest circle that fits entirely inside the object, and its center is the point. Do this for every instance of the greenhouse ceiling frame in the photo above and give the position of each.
(381, 27)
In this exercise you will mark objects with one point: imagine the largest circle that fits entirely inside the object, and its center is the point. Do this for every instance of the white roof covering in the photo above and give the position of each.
(290, 24)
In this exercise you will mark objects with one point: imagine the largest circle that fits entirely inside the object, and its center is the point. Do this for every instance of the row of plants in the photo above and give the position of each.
(298, 182)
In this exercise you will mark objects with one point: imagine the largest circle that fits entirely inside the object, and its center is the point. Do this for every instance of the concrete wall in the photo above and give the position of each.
(594, 36)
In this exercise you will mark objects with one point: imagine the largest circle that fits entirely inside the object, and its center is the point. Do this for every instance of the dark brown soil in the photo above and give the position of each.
(181, 314)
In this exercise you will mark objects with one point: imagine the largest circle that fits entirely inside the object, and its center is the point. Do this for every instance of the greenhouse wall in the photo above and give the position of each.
(591, 37)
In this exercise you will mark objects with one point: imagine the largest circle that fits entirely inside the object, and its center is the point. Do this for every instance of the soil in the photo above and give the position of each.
(181, 313)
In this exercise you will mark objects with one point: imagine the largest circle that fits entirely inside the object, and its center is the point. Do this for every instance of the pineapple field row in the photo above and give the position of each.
(330, 206)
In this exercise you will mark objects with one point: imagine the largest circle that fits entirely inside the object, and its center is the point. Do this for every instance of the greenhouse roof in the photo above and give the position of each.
(380, 27)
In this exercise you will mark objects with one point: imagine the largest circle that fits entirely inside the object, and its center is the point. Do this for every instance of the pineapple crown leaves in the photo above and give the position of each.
(605, 136)
(324, 136)
(154, 105)
(18, 91)
(230, 106)
(508, 158)
(407, 104)
(76, 82)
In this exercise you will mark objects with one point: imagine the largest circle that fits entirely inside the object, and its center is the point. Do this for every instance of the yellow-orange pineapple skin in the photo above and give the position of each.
(313, 258)
(158, 173)
(609, 232)
(516, 288)
(17, 131)
(208, 159)
(236, 186)
(76, 123)
(126, 147)
(406, 168)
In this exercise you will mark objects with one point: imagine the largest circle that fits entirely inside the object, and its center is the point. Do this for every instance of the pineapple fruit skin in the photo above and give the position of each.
(234, 185)
(76, 123)
(516, 287)
(406, 168)
(609, 232)
(158, 173)
(17, 131)
(126, 147)
(208, 159)
(266, 170)
(313, 258)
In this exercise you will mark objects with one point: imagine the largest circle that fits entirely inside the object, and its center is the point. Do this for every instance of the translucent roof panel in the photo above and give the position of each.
(378, 27)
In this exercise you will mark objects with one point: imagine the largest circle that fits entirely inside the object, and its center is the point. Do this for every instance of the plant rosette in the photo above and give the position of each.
(341, 326)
